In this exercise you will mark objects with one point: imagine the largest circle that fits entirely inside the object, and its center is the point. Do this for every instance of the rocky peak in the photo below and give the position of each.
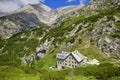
(40, 7)
(45, 14)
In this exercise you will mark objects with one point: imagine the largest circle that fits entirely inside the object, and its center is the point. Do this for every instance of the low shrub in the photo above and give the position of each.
(102, 72)
(52, 76)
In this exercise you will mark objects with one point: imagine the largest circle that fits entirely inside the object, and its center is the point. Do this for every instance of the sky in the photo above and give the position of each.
(11, 5)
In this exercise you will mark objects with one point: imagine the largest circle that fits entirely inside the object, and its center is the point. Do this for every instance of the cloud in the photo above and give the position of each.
(11, 5)
(42, 1)
(7, 5)
(70, 0)
(25, 2)
(82, 2)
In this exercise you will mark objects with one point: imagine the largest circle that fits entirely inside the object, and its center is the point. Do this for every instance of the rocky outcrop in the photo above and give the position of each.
(27, 59)
(108, 46)
(107, 34)
(40, 53)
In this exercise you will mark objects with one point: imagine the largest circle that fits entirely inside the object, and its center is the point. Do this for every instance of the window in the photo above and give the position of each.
(69, 57)
(69, 64)
(72, 65)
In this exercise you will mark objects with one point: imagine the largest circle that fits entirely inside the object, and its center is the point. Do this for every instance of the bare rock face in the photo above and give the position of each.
(108, 46)
(45, 14)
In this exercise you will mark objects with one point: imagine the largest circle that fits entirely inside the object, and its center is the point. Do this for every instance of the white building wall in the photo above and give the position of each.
(69, 62)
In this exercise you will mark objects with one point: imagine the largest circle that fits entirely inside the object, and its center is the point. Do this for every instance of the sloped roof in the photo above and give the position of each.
(77, 55)
(62, 55)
